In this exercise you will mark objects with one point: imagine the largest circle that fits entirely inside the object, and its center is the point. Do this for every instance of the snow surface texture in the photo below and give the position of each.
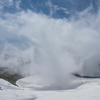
(89, 90)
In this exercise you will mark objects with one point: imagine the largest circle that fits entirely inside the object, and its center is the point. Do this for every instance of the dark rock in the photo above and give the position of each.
(83, 76)
(10, 77)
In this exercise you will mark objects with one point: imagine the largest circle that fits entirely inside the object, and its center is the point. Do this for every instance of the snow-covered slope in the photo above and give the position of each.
(88, 90)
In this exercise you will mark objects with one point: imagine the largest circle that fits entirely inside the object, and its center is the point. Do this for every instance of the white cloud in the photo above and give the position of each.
(57, 47)
(55, 8)
(18, 4)
(4, 3)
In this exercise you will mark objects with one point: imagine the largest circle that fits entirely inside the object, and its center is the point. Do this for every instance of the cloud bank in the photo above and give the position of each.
(50, 48)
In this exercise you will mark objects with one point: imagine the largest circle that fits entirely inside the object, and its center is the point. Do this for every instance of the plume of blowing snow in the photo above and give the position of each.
(51, 49)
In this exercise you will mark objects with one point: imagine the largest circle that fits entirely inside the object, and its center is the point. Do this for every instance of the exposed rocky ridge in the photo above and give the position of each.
(8, 75)
(83, 76)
